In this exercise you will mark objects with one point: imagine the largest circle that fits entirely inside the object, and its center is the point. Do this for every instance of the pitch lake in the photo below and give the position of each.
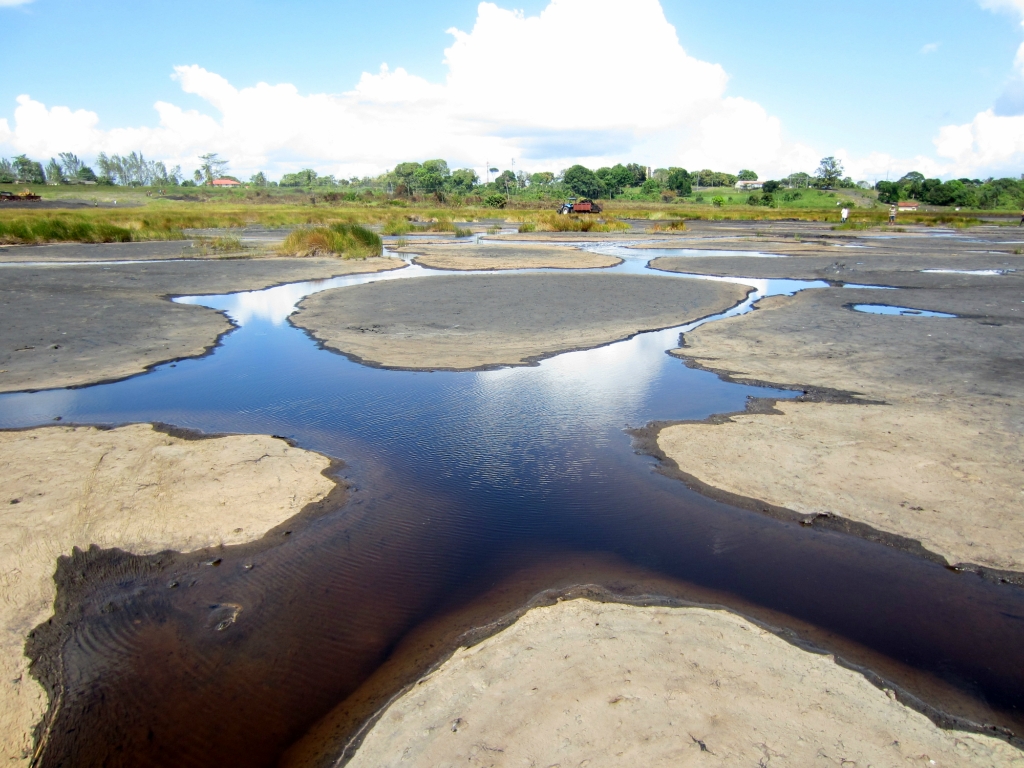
(460, 481)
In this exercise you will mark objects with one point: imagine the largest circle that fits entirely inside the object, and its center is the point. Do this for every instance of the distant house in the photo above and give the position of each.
(908, 206)
(226, 183)
(749, 185)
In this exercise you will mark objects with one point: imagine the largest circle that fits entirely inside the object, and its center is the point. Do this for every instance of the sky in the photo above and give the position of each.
(352, 88)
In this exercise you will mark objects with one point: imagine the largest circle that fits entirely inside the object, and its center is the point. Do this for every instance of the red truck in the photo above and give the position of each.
(586, 205)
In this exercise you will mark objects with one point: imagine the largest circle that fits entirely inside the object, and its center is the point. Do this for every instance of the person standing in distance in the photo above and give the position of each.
(1021, 219)
(845, 214)
(892, 215)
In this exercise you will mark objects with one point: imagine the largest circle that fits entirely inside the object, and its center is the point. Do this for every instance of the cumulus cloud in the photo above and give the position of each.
(994, 140)
(929, 48)
(546, 109)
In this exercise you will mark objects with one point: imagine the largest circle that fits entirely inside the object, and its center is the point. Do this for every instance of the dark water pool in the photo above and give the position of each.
(460, 479)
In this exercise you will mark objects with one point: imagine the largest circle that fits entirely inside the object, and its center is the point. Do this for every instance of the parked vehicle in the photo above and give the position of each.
(26, 195)
(586, 205)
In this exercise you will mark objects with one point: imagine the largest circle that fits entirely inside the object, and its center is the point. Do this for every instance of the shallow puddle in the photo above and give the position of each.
(460, 481)
(889, 309)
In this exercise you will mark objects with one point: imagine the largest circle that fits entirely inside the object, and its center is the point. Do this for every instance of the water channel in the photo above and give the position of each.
(461, 480)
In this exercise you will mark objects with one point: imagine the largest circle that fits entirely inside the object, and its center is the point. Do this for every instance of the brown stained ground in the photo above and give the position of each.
(478, 321)
(596, 684)
(66, 326)
(935, 453)
(496, 257)
(135, 489)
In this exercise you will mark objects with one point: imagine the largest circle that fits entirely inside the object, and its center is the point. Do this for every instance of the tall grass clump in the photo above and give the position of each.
(561, 223)
(61, 230)
(397, 227)
(672, 226)
(349, 241)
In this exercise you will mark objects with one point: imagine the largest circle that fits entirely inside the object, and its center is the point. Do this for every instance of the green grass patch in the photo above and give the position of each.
(397, 227)
(349, 241)
(62, 229)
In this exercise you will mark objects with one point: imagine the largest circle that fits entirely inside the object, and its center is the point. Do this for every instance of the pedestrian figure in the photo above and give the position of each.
(846, 214)
(892, 215)
(1021, 219)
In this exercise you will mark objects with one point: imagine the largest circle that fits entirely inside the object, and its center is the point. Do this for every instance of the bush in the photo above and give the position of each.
(62, 229)
(495, 200)
(397, 227)
(754, 200)
(350, 241)
(718, 201)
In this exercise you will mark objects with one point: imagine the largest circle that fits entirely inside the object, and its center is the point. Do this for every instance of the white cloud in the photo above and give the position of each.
(929, 48)
(540, 103)
(545, 107)
(12, 3)
(992, 142)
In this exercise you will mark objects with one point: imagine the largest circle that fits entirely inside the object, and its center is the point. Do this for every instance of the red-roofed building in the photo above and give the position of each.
(908, 206)
(226, 183)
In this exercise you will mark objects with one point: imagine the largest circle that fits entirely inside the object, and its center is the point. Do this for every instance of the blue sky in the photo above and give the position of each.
(872, 78)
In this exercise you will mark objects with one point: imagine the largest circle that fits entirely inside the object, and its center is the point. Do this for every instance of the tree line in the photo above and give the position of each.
(962, 193)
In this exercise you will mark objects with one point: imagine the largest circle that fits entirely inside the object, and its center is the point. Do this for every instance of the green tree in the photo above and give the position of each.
(432, 176)
(463, 180)
(85, 173)
(54, 174)
(542, 179)
(798, 180)
(829, 172)
(678, 180)
(638, 172)
(771, 187)
(258, 179)
(304, 178)
(888, 192)
(70, 165)
(651, 187)
(582, 182)
(506, 181)
(212, 166)
(7, 173)
(746, 175)
(28, 171)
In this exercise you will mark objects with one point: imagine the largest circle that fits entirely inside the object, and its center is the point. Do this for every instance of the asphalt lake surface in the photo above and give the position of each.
(458, 480)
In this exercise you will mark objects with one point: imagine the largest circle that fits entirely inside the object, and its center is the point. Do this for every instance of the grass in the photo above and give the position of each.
(397, 227)
(672, 226)
(217, 246)
(349, 241)
(63, 229)
(146, 215)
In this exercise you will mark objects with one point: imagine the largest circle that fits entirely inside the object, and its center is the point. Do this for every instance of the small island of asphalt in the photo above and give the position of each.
(70, 325)
(480, 321)
(927, 446)
(499, 257)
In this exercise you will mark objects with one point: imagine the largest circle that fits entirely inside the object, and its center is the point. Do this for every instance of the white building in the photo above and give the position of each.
(749, 185)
